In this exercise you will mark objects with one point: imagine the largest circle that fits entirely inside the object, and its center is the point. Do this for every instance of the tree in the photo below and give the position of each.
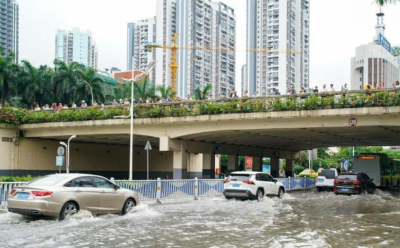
(66, 80)
(200, 94)
(144, 89)
(385, 2)
(86, 78)
(165, 92)
(35, 85)
(7, 71)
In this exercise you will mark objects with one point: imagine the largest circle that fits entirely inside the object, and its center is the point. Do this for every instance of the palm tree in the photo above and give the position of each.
(165, 92)
(199, 94)
(87, 78)
(144, 89)
(66, 80)
(36, 84)
(384, 2)
(7, 72)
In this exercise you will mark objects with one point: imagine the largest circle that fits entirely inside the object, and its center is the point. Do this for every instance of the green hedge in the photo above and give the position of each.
(15, 116)
(17, 179)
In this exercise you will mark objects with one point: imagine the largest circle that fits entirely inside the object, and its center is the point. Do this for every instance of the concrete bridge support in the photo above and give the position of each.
(257, 163)
(180, 160)
(233, 163)
(290, 164)
(275, 167)
(208, 166)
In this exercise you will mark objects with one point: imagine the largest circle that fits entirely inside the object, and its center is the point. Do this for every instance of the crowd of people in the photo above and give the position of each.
(232, 94)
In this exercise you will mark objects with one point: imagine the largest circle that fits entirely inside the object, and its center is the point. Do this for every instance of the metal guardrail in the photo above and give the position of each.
(5, 189)
(174, 189)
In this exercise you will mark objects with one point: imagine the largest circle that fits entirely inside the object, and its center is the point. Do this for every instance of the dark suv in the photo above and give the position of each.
(353, 183)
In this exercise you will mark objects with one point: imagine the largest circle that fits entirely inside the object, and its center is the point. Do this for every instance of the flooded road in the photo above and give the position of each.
(304, 219)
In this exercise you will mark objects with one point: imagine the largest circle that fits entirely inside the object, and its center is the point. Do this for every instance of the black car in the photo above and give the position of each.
(353, 183)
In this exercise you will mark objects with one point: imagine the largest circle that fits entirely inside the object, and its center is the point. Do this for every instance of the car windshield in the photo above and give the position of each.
(47, 181)
(347, 177)
(239, 177)
(328, 174)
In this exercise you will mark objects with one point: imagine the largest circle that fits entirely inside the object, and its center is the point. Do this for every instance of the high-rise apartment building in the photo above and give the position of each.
(130, 45)
(281, 26)
(205, 24)
(145, 32)
(76, 46)
(375, 63)
(166, 28)
(9, 27)
(244, 80)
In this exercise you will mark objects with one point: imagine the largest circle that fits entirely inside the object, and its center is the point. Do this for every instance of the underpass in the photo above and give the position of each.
(301, 219)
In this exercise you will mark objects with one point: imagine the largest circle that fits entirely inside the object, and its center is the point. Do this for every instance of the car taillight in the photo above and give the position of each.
(356, 182)
(336, 181)
(226, 181)
(248, 182)
(42, 193)
(13, 191)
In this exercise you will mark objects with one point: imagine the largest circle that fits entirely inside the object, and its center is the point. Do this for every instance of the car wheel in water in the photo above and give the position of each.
(128, 206)
(318, 189)
(260, 195)
(69, 208)
(281, 192)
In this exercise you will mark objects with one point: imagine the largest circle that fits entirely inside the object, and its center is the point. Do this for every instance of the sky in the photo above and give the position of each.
(337, 27)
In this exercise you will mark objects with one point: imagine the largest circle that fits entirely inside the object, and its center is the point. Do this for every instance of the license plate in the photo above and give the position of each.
(321, 180)
(344, 190)
(23, 196)
(236, 185)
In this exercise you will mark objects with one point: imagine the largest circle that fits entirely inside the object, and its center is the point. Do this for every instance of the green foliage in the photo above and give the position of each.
(18, 116)
(298, 169)
(10, 179)
(201, 94)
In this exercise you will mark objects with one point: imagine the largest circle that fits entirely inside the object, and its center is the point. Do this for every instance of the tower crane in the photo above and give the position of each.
(174, 49)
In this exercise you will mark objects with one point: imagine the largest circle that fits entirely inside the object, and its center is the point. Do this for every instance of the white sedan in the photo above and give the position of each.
(252, 185)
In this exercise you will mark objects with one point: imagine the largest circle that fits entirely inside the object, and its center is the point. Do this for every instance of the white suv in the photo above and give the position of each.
(252, 185)
(325, 179)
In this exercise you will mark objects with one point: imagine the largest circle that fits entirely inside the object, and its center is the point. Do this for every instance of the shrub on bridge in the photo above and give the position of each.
(11, 115)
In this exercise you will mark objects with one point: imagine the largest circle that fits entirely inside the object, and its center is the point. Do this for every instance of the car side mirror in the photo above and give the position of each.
(116, 187)
(275, 181)
(372, 179)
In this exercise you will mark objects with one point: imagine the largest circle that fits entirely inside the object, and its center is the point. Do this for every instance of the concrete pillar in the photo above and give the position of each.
(233, 163)
(257, 163)
(208, 165)
(290, 164)
(275, 167)
(195, 165)
(180, 162)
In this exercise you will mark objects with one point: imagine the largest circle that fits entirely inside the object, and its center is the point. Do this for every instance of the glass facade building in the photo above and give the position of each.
(9, 27)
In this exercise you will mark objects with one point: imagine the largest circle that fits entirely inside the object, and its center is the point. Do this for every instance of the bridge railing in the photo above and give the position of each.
(331, 100)
(153, 190)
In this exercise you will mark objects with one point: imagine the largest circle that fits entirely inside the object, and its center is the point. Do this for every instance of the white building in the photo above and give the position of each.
(374, 62)
(166, 28)
(76, 46)
(244, 79)
(205, 24)
(145, 32)
(277, 25)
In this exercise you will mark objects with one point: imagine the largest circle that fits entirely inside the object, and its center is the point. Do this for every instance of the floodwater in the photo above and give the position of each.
(304, 219)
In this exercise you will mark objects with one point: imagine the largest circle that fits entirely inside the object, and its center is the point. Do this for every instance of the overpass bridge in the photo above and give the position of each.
(186, 136)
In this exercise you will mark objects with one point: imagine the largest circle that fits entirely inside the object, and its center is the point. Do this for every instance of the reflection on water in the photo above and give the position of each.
(304, 219)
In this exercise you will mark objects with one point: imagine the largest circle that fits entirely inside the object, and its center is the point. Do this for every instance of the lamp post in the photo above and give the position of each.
(91, 90)
(134, 79)
(67, 146)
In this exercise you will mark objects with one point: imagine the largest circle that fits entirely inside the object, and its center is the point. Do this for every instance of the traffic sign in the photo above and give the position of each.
(353, 122)
(59, 161)
(148, 146)
(61, 151)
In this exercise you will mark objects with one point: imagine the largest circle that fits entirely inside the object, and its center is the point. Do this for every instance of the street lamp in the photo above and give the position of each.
(91, 90)
(67, 146)
(134, 79)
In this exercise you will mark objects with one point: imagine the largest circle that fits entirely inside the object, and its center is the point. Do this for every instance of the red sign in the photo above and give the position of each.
(353, 122)
(249, 163)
